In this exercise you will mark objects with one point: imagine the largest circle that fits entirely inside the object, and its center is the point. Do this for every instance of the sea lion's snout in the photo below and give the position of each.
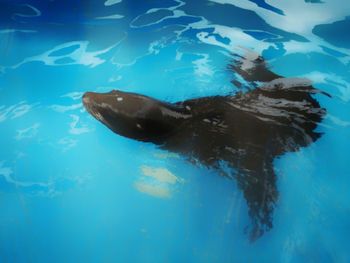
(113, 102)
(87, 101)
(86, 98)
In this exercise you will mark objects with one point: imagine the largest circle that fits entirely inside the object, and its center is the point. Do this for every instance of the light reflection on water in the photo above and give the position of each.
(70, 190)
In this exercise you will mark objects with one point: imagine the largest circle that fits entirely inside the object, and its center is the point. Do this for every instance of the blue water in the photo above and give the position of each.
(73, 191)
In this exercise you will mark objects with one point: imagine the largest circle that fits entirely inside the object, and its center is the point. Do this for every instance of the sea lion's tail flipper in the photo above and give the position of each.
(257, 180)
(252, 67)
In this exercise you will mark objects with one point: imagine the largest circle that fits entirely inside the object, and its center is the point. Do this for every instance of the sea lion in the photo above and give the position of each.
(245, 131)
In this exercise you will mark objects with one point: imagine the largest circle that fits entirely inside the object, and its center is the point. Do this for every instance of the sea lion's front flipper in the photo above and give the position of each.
(257, 179)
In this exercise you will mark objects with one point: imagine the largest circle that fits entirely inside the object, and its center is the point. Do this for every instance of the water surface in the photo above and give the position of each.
(72, 191)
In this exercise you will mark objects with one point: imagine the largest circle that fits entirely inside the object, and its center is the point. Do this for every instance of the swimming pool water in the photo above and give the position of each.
(73, 191)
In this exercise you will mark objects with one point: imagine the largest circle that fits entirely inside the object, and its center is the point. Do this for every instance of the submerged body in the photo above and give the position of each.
(244, 131)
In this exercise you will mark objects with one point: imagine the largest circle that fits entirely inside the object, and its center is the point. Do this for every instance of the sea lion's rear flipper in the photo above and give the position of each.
(257, 179)
(287, 108)
(252, 67)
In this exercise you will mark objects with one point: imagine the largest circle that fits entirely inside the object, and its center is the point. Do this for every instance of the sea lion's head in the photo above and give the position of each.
(133, 115)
